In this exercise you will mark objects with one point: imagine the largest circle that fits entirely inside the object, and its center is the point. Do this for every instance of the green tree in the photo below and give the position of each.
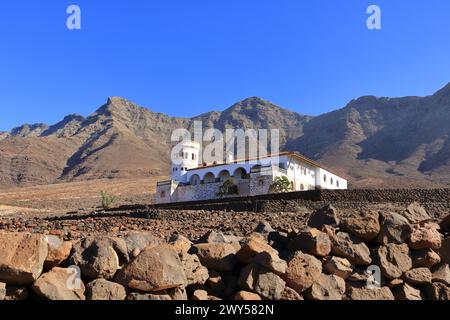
(229, 187)
(281, 185)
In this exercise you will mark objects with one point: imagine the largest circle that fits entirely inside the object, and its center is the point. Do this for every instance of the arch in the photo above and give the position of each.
(209, 178)
(302, 187)
(224, 175)
(240, 173)
(195, 180)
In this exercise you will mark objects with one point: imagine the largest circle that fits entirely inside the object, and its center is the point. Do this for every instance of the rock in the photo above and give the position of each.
(16, 293)
(347, 246)
(136, 241)
(415, 213)
(393, 228)
(2, 291)
(262, 281)
(364, 225)
(221, 285)
(58, 251)
(271, 262)
(395, 283)
(407, 292)
(99, 257)
(418, 276)
(154, 269)
(59, 284)
(217, 237)
(437, 291)
(245, 295)
(195, 272)
(217, 256)
(180, 243)
(177, 294)
(303, 270)
(425, 237)
(101, 289)
(425, 258)
(444, 251)
(264, 228)
(312, 241)
(441, 273)
(325, 216)
(340, 267)
(445, 224)
(327, 287)
(252, 247)
(22, 257)
(365, 293)
(201, 295)
(393, 260)
(290, 294)
(147, 296)
(359, 276)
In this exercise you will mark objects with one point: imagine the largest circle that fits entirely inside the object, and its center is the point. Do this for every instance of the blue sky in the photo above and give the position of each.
(188, 57)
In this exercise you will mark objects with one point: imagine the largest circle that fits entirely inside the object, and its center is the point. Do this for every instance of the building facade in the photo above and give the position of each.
(191, 181)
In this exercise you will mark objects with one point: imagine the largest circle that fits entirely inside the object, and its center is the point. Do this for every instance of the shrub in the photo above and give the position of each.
(107, 199)
(281, 185)
(229, 187)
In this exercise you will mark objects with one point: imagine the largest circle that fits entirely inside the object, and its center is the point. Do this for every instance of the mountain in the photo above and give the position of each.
(376, 142)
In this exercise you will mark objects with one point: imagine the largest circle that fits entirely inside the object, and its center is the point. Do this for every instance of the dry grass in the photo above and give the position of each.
(75, 196)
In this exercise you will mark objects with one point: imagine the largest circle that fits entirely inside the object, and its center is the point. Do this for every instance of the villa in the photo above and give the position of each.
(192, 181)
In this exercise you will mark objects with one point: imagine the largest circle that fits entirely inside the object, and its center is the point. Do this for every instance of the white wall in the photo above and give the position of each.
(331, 182)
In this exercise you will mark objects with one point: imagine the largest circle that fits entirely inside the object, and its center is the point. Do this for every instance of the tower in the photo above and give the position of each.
(185, 156)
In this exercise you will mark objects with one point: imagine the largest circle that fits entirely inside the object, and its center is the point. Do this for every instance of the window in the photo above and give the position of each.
(163, 194)
(193, 156)
(324, 178)
(302, 187)
(331, 181)
(337, 183)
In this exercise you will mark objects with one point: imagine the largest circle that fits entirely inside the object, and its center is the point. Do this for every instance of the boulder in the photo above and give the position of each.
(425, 258)
(365, 293)
(177, 294)
(444, 251)
(245, 295)
(303, 270)
(327, 287)
(195, 272)
(406, 292)
(217, 256)
(154, 269)
(347, 246)
(99, 257)
(58, 251)
(393, 228)
(22, 257)
(217, 237)
(290, 294)
(437, 291)
(199, 294)
(221, 285)
(393, 260)
(262, 281)
(340, 267)
(327, 215)
(264, 228)
(425, 237)
(101, 289)
(441, 273)
(2, 291)
(59, 284)
(251, 247)
(180, 243)
(415, 213)
(364, 225)
(136, 241)
(312, 241)
(418, 276)
(271, 262)
(147, 296)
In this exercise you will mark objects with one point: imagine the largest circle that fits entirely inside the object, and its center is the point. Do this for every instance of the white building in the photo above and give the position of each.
(191, 181)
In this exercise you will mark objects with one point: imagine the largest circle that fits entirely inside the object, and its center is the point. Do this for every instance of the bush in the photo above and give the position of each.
(107, 199)
(228, 188)
(281, 185)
